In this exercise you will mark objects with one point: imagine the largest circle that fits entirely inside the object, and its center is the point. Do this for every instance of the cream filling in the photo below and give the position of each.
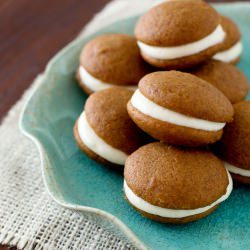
(147, 107)
(175, 52)
(172, 213)
(235, 170)
(231, 54)
(95, 84)
(97, 144)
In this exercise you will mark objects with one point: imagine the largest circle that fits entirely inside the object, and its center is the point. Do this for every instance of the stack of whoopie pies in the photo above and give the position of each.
(175, 84)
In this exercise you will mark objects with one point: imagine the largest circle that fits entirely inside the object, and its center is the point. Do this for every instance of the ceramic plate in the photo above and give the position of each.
(77, 182)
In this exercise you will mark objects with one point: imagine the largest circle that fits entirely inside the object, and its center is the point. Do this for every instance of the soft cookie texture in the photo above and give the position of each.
(177, 179)
(186, 97)
(106, 114)
(234, 147)
(231, 49)
(111, 59)
(225, 77)
(177, 23)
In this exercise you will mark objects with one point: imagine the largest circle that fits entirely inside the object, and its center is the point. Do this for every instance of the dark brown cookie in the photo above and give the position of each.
(107, 116)
(235, 143)
(113, 59)
(184, 94)
(175, 178)
(225, 77)
(176, 23)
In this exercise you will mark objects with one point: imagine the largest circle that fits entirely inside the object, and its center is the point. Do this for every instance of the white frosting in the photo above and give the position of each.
(175, 52)
(146, 106)
(95, 84)
(97, 144)
(235, 170)
(231, 54)
(172, 213)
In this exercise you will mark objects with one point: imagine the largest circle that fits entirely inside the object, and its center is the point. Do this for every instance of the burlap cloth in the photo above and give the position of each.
(29, 218)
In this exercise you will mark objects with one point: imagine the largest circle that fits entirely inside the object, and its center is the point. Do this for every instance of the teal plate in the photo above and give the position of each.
(77, 182)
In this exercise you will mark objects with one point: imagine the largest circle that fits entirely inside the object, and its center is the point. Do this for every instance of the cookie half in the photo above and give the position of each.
(180, 109)
(179, 34)
(225, 77)
(234, 147)
(232, 46)
(175, 185)
(104, 130)
(110, 60)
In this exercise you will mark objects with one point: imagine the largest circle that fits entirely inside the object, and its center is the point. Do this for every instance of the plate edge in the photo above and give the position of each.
(111, 218)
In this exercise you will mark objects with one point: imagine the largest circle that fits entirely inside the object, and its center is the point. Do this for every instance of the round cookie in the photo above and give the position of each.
(180, 108)
(110, 60)
(175, 185)
(104, 130)
(234, 147)
(179, 34)
(225, 77)
(232, 47)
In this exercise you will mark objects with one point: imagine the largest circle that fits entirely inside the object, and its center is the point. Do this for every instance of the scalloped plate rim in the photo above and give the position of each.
(111, 218)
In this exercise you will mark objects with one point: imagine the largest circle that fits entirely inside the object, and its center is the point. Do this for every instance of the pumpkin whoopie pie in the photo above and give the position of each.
(110, 60)
(224, 76)
(234, 147)
(104, 131)
(232, 47)
(175, 185)
(179, 34)
(180, 108)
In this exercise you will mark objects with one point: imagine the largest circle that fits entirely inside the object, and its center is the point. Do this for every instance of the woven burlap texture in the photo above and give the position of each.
(29, 218)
